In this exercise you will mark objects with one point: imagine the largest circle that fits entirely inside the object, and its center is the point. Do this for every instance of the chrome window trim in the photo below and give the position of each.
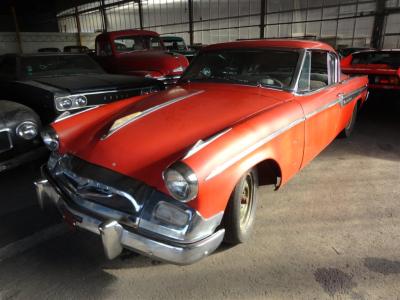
(8, 130)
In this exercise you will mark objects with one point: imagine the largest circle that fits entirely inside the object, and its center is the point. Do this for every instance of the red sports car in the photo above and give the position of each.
(172, 175)
(381, 66)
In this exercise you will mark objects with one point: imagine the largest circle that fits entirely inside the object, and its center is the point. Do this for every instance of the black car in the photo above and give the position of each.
(36, 89)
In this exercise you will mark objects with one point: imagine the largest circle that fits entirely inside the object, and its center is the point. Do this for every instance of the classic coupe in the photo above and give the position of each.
(139, 52)
(36, 89)
(381, 66)
(172, 175)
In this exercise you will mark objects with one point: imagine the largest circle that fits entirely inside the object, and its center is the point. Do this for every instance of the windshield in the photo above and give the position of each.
(391, 58)
(175, 45)
(57, 65)
(265, 67)
(137, 43)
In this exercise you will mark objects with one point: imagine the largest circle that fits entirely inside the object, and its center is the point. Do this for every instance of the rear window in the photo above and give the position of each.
(391, 58)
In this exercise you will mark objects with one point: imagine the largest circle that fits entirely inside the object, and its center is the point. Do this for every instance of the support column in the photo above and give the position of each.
(140, 13)
(191, 34)
(379, 24)
(104, 16)
(17, 32)
(262, 19)
(78, 26)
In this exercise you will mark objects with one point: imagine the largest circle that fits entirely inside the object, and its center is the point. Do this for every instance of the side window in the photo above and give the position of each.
(103, 48)
(319, 70)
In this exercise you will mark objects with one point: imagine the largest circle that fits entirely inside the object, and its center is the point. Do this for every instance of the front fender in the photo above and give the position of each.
(276, 134)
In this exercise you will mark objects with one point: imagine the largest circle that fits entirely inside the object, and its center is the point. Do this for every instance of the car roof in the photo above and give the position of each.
(376, 50)
(271, 43)
(171, 38)
(130, 32)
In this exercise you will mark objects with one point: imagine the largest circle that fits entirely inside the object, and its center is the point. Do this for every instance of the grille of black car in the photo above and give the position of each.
(5, 141)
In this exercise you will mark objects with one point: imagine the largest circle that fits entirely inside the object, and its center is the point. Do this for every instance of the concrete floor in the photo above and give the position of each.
(333, 232)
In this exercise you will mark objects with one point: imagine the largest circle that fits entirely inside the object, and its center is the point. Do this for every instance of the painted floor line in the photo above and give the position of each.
(29, 242)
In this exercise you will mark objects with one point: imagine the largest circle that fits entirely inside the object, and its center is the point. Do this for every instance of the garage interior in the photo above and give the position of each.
(332, 232)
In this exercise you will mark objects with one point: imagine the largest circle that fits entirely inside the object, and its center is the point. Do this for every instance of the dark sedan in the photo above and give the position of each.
(37, 89)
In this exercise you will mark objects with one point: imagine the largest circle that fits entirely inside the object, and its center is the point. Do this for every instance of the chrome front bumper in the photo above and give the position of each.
(115, 237)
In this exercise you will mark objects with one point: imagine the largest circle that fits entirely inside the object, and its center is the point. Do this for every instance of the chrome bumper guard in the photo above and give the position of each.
(115, 237)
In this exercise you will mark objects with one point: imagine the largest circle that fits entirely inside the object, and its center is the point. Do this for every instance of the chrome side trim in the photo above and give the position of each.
(151, 110)
(68, 114)
(200, 144)
(343, 101)
(322, 108)
(8, 130)
(252, 148)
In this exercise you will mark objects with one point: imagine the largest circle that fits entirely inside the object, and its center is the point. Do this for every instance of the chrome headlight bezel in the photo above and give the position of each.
(50, 138)
(75, 102)
(185, 177)
(27, 130)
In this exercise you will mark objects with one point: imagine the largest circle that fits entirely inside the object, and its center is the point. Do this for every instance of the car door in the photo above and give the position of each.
(318, 94)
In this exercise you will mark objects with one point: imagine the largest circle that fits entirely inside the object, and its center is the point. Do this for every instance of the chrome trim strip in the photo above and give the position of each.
(252, 148)
(322, 108)
(66, 116)
(200, 144)
(8, 130)
(151, 110)
(343, 101)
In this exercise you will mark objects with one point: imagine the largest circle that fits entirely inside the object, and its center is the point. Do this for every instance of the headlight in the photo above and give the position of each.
(27, 130)
(181, 182)
(178, 69)
(80, 101)
(70, 102)
(50, 138)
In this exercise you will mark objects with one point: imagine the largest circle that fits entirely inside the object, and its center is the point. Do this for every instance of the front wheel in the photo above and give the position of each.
(240, 212)
(346, 132)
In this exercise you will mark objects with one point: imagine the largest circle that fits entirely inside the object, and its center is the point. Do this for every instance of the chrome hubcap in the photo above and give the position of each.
(246, 200)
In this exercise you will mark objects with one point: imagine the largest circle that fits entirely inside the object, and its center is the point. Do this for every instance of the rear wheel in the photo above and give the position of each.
(240, 212)
(346, 132)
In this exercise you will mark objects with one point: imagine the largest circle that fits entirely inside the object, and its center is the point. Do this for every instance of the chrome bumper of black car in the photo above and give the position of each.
(116, 235)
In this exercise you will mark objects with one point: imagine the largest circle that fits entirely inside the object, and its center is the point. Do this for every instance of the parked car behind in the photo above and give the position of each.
(51, 86)
(51, 50)
(139, 52)
(343, 52)
(76, 49)
(177, 44)
(381, 66)
(174, 174)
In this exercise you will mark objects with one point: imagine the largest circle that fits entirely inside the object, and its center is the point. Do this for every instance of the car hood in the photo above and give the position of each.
(162, 126)
(94, 82)
(160, 61)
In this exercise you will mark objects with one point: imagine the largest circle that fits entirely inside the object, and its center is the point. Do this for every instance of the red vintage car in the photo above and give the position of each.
(381, 66)
(139, 52)
(173, 174)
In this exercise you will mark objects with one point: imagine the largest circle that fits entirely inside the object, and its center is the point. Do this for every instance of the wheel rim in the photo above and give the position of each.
(246, 200)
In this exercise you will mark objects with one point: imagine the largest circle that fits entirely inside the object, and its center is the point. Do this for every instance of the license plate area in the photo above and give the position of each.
(5, 141)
